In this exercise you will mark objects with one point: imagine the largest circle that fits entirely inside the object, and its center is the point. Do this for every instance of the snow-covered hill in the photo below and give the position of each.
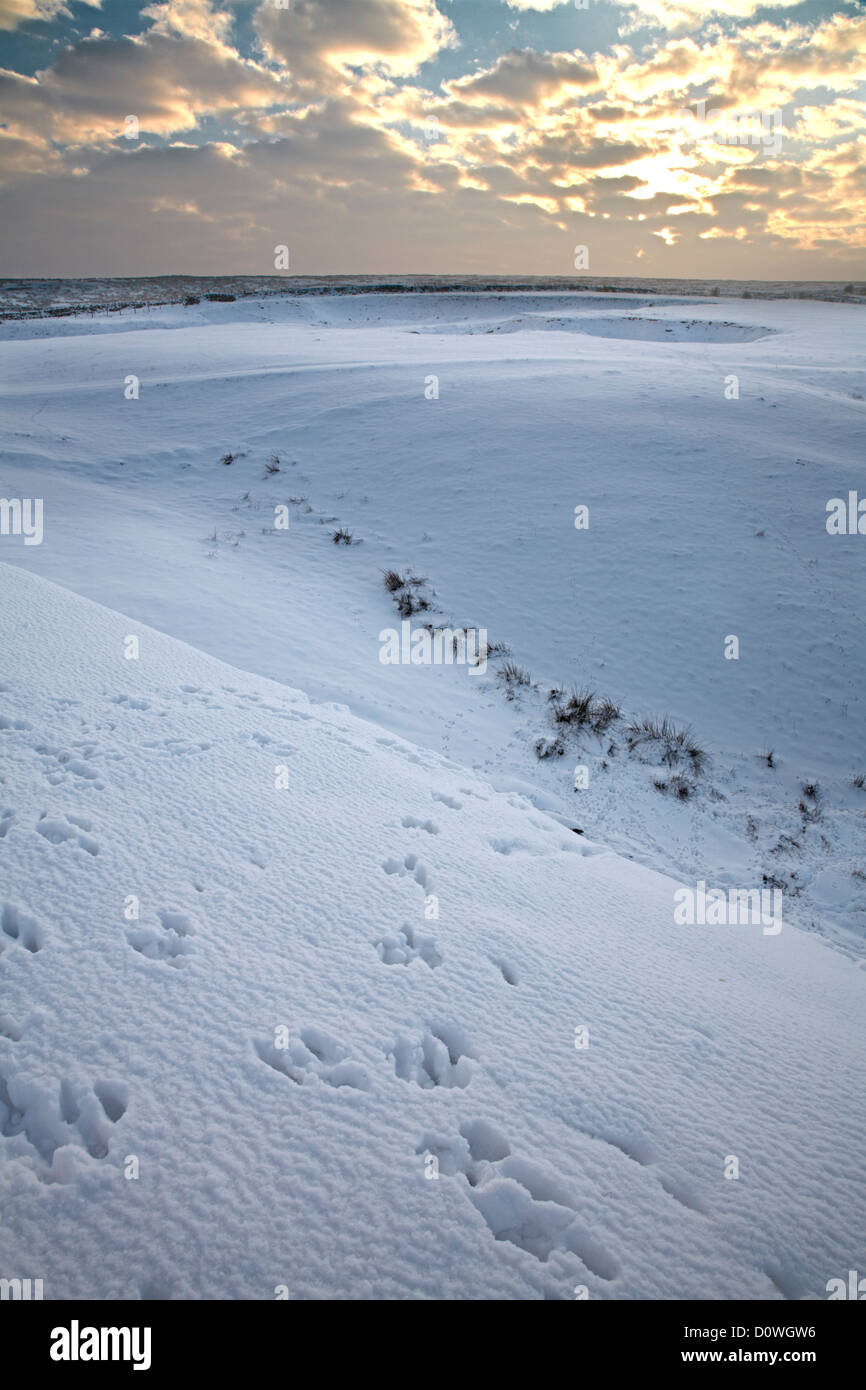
(359, 980)
(266, 970)
(454, 435)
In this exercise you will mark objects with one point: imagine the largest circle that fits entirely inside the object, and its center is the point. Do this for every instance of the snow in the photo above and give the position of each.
(287, 1036)
(707, 519)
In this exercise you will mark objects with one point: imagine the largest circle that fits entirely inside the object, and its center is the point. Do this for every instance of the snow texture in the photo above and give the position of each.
(297, 948)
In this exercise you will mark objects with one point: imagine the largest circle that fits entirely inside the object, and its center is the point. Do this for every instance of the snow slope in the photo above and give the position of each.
(707, 518)
(410, 1037)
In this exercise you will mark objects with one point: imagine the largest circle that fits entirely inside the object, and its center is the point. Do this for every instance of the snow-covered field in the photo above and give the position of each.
(290, 982)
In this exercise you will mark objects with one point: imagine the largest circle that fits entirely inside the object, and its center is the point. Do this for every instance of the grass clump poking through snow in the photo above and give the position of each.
(513, 675)
(676, 747)
(394, 582)
(404, 590)
(678, 786)
(575, 709)
(604, 713)
(342, 537)
(272, 466)
(408, 604)
(583, 709)
(648, 730)
(549, 748)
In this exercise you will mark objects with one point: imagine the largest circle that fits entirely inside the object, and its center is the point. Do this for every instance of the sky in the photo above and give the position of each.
(546, 137)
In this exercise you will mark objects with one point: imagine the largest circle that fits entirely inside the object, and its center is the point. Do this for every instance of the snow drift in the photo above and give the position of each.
(289, 1005)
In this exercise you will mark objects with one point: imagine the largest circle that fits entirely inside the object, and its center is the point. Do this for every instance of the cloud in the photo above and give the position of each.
(525, 77)
(329, 142)
(542, 5)
(194, 19)
(165, 83)
(20, 155)
(15, 12)
(687, 14)
(317, 40)
(668, 14)
(758, 68)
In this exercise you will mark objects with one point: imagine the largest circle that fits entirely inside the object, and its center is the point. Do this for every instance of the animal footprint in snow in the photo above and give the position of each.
(441, 1058)
(58, 829)
(640, 1150)
(516, 846)
(182, 748)
(21, 928)
(167, 942)
(411, 864)
(506, 969)
(313, 1054)
(478, 1143)
(406, 946)
(60, 763)
(80, 1116)
(130, 702)
(279, 750)
(412, 823)
(521, 1201)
